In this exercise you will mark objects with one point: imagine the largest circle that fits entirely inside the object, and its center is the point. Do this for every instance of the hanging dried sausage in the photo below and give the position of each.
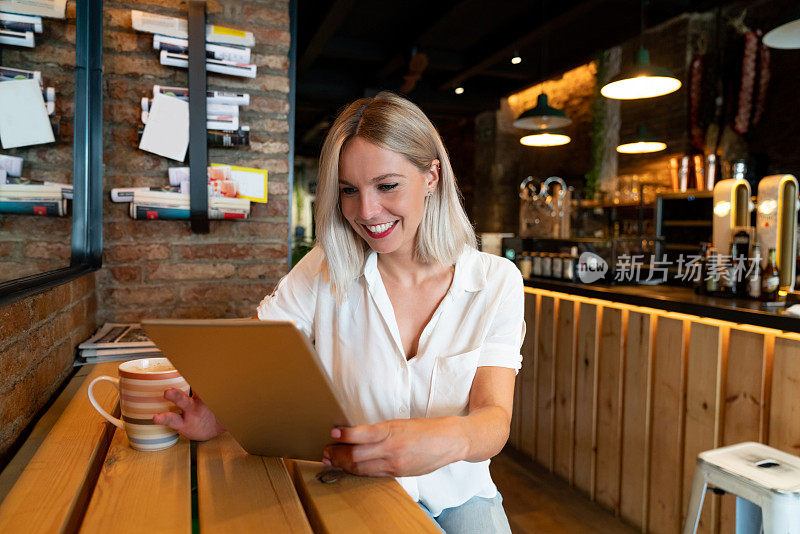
(745, 104)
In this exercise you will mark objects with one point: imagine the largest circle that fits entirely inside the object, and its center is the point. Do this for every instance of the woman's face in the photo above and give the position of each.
(383, 194)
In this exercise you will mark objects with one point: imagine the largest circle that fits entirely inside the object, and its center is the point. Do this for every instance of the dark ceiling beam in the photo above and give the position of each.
(335, 94)
(441, 21)
(338, 11)
(508, 74)
(561, 20)
(352, 49)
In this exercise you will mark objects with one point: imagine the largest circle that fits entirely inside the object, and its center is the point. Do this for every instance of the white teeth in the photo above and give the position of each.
(379, 228)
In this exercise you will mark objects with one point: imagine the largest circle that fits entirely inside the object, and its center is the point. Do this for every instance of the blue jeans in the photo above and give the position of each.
(478, 515)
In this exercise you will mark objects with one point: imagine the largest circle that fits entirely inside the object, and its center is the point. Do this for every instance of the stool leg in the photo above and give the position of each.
(695, 501)
(748, 517)
(781, 518)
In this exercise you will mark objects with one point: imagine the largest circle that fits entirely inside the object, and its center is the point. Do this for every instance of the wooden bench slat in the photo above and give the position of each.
(239, 492)
(142, 491)
(358, 504)
(53, 490)
(17, 464)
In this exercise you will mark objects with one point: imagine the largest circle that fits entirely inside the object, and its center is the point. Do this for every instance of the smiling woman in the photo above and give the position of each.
(418, 332)
(390, 140)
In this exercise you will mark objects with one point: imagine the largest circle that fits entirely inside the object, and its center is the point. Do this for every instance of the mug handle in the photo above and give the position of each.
(113, 420)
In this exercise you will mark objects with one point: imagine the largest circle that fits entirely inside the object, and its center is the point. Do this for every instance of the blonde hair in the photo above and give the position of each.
(393, 123)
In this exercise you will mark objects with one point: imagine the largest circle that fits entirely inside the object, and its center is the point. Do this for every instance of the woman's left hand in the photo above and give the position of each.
(397, 448)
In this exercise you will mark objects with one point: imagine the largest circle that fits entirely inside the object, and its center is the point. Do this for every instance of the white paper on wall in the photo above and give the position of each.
(167, 130)
(23, 116)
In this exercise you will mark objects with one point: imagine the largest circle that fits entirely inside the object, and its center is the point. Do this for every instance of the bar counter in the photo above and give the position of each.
(622, 387)
(681, 300)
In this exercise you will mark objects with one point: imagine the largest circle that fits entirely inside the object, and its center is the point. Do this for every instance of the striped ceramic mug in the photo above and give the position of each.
(141, 386)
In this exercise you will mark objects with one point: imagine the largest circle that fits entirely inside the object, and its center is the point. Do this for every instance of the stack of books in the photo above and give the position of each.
(21, 20)
(25, 196)
(172, 202)
(116, 342)
(227, 50)
(222, 115)
(170, 205)
(19, 30)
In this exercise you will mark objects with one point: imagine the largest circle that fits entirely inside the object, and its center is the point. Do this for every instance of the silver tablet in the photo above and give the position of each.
(261, 379)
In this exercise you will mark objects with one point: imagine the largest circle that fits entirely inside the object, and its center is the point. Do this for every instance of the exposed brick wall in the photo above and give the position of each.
(160, 268)
(502, 162)
(665, 116)
(31, 244)
(38, 336)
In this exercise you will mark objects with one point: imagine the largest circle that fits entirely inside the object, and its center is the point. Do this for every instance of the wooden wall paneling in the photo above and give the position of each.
(784, 426)
(666, 447)
(527, 396)
(545, 381)
(704, 390)
(636, 418)
(586, 398)
(611, 352)
(743, 405)
(565, 388)
(766, 384)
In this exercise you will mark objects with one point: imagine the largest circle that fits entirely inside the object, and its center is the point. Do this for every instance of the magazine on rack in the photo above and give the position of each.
(118, 336)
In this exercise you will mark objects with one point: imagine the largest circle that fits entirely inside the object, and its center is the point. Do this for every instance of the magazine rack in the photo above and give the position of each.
(198, 150)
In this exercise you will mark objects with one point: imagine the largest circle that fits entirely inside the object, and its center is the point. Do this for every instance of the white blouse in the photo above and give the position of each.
(480, 322)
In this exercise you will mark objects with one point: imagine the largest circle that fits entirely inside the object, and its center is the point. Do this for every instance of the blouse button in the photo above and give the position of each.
(403, 410)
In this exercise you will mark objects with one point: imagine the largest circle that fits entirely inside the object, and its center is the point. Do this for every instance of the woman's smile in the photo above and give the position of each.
(379, 231)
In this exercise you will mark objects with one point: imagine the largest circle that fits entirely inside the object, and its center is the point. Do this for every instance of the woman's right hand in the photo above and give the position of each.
(197, 422)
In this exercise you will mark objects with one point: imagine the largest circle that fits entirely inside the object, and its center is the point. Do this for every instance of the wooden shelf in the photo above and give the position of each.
(701, 222)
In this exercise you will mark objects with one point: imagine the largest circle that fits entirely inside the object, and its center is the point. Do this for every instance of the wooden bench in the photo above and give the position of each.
(77, 473)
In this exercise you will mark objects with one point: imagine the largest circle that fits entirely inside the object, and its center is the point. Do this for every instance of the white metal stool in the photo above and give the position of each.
(768, 478)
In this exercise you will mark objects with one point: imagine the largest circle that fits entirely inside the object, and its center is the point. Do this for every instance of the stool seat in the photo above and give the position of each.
(765, 481)
(765, 466)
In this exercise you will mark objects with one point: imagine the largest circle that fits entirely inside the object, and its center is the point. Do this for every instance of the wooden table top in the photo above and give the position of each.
(84, 477)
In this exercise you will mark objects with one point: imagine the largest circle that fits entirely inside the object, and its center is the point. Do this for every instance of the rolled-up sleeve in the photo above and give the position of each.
(506, 331)
(294, 298)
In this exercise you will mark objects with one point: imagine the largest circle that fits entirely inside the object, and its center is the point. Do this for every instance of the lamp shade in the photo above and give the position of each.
(542, 117)
(786, 36)
(643, 81)
(643, 143)
(540, 139)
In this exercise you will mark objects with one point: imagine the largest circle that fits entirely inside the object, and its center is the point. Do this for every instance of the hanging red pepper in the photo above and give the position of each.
(745, 104)
(763, 80)
(696, 134)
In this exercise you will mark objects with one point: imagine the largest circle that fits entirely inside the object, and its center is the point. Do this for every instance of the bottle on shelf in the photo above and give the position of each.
(537, 263)
(712, 274)
(556, 268)
(754, 279)
(770, 279)
(547, 265)
(525, 265)
(729, 282)
(570, 273)
(699, 283)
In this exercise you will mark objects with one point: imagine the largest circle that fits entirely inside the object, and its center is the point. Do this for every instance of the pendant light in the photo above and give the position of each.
(786, 36)
(545, 139)
(543, 116)
(644, 80)
(642, 143)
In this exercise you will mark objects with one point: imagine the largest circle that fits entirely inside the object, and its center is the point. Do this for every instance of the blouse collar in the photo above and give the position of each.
(470, 272)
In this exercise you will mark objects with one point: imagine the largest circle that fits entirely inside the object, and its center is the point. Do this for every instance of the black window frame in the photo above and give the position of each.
(87, 176)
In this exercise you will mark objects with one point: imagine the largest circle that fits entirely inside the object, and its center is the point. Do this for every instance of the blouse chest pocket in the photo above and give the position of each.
(451, 384)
